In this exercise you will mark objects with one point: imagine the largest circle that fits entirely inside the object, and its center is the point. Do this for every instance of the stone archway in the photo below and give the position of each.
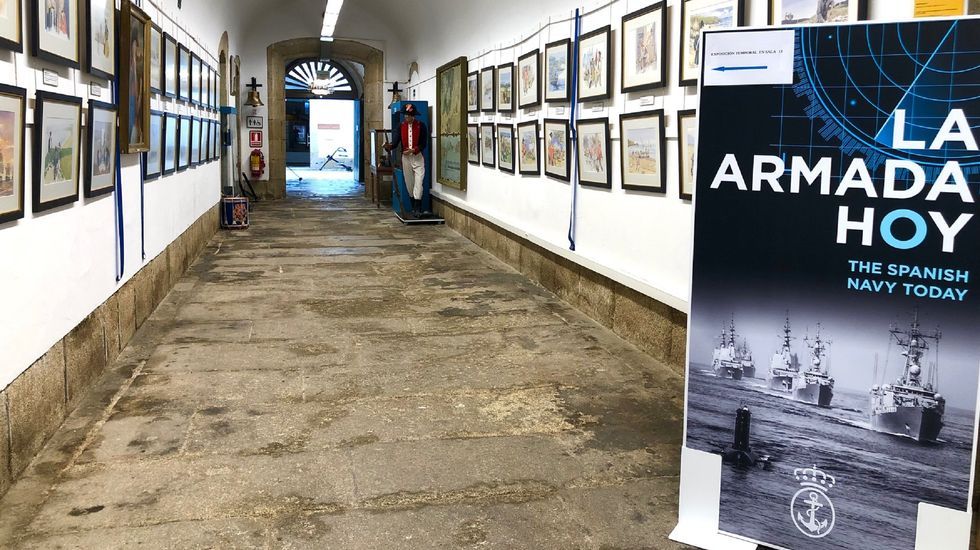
(283, 53)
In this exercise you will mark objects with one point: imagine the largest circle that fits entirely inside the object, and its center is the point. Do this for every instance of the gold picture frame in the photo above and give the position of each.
(451, 133)
(134, 79)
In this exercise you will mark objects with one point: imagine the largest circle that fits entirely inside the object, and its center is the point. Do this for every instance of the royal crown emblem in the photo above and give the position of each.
(811, 509)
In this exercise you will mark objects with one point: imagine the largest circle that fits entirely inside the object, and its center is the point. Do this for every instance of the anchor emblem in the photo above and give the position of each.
(811, 523)
(811, 509)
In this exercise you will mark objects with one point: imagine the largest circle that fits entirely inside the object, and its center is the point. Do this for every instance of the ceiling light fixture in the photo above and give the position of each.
(330, 16)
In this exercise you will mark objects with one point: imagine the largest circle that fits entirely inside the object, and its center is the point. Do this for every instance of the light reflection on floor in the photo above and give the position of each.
(321, 183)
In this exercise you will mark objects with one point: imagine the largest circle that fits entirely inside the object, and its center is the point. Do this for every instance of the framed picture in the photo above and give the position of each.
(451, 96)
(183, 73)
(505, 88)
(170, 67)
(645, 49)
(595, 70)
(556, 145)
(473, 92)
(195, 141)
(10, 26)
(205, 86)
(184, 139)
(487, 144)
(13, 105)
(528, 80)
(473, 143)
(100, 144)
(134, 79)
(217, 140)
(488, 84)
(100, 45)
(215, 90)
(57, 138)
(153, 163)
(505, 147)
(593, 153)
(55, 31)
(687, 148)
(805, 12)
(156, 60)
(195, 79)
(528, 156)
(556, 70)
(170, 123)
(205, 141)
(642, 149)
(703, 15)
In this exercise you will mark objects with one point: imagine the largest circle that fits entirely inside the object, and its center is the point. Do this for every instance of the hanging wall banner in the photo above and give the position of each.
(833, 349)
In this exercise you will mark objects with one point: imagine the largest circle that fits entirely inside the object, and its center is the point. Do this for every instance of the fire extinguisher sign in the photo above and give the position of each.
(255, 138)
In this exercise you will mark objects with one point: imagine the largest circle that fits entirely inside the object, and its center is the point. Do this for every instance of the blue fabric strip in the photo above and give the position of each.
(120, 221)
(572, 156)
(142, 209)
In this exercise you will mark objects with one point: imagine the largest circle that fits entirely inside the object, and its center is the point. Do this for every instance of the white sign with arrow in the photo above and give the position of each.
(744, 58)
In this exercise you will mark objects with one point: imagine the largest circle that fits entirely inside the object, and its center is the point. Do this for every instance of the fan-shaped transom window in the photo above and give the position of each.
(318, 79)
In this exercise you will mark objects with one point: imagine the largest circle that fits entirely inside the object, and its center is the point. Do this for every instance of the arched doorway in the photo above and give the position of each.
(279, 56)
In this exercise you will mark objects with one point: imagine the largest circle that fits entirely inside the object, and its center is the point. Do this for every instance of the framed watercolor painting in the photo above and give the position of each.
(529, 80)
(644, 40)
(184, 143)
(687, 149)
(703, 15)
(195, 80)
(216, 144)
(134, 80)
(594, 68)
(642, 148)
(473, 92)
(487, 142)
(556, 70)
(556, 146)
(806, 12)
(156, 60)
(170, 67)
(170, 123)
(473, 143)
(153, 163)
(183, 73)
(451, 99)
(10, 26)
(100, 144)
(593, 153)
(57, 159)
(488, 84)
(195, 141)
(54, 36)
(505, 88)
(13, 109)
(505, 147)
(100, 44)
(528, 154)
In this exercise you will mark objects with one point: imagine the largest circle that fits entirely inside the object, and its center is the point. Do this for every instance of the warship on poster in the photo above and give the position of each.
(911, 407)
(785, 364)
(731, 359)
(814, 385)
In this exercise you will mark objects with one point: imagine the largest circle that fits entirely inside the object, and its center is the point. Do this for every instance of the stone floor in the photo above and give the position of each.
(332, 379)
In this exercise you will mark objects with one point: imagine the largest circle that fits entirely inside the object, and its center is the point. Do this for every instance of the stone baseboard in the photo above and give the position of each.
(36, 403)
(656, 328)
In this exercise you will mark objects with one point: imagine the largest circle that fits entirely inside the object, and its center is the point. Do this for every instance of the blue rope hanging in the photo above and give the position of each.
(572, 155)
(120, 222)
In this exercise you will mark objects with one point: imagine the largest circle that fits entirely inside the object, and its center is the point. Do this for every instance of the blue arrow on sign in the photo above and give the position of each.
(747, 68)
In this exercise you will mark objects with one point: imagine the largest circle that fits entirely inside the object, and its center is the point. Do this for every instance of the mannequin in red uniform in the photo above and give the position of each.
(412, 137)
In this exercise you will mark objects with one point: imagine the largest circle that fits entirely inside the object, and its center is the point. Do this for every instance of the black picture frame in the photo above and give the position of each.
(183, 73)
(16, 211)
(148, 173)
(473, 140)
(184, 143)
(493, 144)
(171, 66)
(662, 150)
(90, 68)
(473, 99)
(513, 159)
(488, 73)
(537, 148)
(693, 80)
(206, 141)
(156, 37)
(195, 141)
(37, 49)
(661, 45)
(608, 63)
(563, 123)
(581, 150)
(195, 80)
(498, 89)
(170, 120)
(681, 115)
(15, 43)
(536, 55)
(94, 106)
(564, 45)
(42, 99)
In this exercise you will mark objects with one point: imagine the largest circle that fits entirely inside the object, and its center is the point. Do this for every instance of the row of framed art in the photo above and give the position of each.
(57, 149)
(644, 49)
(642, 150)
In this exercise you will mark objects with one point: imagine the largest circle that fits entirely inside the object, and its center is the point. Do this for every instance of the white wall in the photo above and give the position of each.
(58, 266)
(639, 239)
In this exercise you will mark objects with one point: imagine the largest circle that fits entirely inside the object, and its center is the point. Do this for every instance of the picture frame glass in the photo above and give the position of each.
(687, 128)
(473, 92)
(196, 141)
(809, 12)
(184, 152)
(451, 88)
(12, 112)
(154, 157)
(486, 144)
(196, 80)
(643, 49)
(593, 80)
(102, 149)
(487, 99)
(156, 60)
(170, 144)
(473, 144)
(135, 102)
(505, 88)
(702, 15)
(57, 30)
(556, 149)
(556, 71)
(170, 68)
(527, 147)
(58, 155)
(527, 78)
(641, 149)
(505, 147)
(10, 24)
(593, 152)
(102, 36)
(184, 74)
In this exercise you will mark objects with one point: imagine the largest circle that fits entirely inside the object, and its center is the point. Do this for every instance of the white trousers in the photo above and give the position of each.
(413, 166)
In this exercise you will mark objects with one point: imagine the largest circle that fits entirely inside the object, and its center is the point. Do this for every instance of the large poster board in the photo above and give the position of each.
(833, 349)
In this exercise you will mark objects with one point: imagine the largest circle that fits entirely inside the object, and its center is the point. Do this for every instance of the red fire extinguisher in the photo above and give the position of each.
(256, 162)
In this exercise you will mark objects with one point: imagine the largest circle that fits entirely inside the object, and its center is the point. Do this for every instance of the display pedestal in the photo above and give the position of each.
(402, 205)
(697, 523)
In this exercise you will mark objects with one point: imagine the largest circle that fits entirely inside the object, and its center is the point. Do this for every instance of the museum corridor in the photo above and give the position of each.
(332, 379)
